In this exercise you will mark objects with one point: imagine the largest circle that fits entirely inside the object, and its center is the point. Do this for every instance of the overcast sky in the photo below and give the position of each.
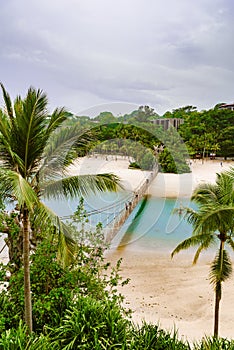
(119, 54)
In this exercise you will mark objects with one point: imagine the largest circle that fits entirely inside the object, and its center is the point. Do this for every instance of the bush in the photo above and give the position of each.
(210, 343)
(54, 288)
(91, 324)
(151, 337)
(134, 165)
(14, 339)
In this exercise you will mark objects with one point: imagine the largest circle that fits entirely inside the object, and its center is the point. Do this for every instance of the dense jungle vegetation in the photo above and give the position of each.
(207, 133)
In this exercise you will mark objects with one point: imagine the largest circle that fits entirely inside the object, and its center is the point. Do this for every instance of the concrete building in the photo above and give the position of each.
(227, 106)
(166, 123)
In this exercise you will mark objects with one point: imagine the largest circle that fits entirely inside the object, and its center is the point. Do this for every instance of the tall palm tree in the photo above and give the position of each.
(35, 152)
(213, 222)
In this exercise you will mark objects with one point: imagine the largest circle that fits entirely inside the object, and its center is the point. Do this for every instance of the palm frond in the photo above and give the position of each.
(8, 102)
(57, 118)
(9, 157)
(225, 188)
(204, 245)
(205, 193)
(66, 244)
(81, 185)
(30, 122)
(230, 173)
(60, 150)
(221, 268)
(15, 186)
(192, 241)
(216, 218)
(230, 242)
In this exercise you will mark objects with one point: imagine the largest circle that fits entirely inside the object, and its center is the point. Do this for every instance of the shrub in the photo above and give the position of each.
(210, 343)
(134, 165)
(91, 324)
(54, 288)
(151, 337)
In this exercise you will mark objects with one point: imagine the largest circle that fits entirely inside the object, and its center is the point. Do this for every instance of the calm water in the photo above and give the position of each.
(156, 228)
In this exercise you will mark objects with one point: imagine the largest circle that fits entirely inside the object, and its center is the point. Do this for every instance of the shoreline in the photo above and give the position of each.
(171, 293)
(164, 185)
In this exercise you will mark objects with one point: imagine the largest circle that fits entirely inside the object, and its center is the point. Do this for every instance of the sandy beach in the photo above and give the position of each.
(164, 185)
(173, 293)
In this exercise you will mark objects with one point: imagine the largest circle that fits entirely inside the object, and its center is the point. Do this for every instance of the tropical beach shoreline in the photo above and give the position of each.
(164, 185)
(173, 293)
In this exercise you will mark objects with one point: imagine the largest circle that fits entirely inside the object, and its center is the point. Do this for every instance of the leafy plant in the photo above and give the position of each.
(56, 287)
(210, 343)
(151, 337)
(91, 324)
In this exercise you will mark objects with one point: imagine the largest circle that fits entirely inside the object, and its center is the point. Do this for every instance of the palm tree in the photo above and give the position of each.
(212, 222)
(35, 151)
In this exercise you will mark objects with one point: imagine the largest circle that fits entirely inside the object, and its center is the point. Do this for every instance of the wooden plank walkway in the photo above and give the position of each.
(130, 206)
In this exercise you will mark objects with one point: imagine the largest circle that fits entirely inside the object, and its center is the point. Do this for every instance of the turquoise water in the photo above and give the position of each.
(155, 228)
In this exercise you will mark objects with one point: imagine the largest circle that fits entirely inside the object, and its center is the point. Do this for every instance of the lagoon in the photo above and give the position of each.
(157, 227)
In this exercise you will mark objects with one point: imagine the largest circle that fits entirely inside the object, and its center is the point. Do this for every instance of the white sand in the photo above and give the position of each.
(172, 185)
(174, 293)
(130, 178)
(164, 185)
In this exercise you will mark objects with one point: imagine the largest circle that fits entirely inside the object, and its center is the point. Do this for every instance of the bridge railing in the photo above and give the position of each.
(123, 215)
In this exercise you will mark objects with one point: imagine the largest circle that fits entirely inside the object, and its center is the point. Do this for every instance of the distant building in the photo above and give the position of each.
(166, 123)
(227, 106)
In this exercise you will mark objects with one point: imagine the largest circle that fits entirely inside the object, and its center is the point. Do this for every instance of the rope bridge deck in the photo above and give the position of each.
(113, 216)
(123, 215)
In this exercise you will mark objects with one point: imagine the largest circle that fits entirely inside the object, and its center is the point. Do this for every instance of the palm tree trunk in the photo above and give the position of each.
(216, 316)
(218, 291)
(26, 262)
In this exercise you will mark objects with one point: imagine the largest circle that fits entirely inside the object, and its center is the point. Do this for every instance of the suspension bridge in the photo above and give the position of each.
(113, 216)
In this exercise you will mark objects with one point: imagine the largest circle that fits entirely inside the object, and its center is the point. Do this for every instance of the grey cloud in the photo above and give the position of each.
(82, 53)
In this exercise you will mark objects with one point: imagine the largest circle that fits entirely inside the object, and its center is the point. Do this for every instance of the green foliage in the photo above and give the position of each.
(175, 156)
(204, 132)
(105, 118)
(55, 287)
(134, 165)
(145, 114)
(221, 269)
(148, 160)
(151, 337)
(170, 164)
(91, 324)
(19, 339)
(209, 343)
(144, 133)
(209, 131)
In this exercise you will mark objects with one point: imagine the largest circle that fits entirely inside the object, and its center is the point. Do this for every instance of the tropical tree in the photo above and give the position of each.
(213, 221)
(35, 152)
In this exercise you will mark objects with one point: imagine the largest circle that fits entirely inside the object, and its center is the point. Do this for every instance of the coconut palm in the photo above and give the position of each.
(35, 152)
(213, 222)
